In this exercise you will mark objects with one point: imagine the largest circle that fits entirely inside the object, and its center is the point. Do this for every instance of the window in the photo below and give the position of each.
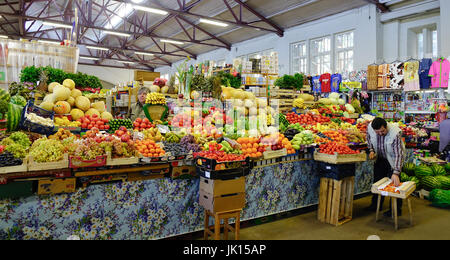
(420, 49)
(321, 55)
(344, 43)
(435, 43)
(299, 58)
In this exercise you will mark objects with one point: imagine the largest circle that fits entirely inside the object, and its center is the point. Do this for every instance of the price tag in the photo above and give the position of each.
(163, 129)
(208, 174)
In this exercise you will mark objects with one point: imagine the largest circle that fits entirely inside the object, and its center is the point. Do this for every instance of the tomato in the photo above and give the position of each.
(106, 127)
(84, 125)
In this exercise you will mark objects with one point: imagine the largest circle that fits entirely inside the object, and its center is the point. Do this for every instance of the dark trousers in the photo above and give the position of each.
(383, 169)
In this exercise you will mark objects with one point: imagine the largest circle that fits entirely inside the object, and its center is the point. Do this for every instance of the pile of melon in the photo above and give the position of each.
(65, 99)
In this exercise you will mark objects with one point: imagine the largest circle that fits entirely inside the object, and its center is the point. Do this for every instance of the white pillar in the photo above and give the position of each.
(445, 28)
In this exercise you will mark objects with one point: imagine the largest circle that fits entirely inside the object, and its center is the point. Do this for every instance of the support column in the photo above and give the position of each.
(445, 29)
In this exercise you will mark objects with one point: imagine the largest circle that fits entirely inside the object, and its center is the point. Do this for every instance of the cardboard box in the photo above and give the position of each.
(56, 186)
(222, 203)
(222, 187)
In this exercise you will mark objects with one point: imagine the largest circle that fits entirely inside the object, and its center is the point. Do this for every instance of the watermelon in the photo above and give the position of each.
(4, 95)
(13, 117)
(404, 177)
(447, 168)
(415, 179)
(430, 183)
(19, 100)
(445, 182)
(422, 171)
(409, 168)
(440, 198)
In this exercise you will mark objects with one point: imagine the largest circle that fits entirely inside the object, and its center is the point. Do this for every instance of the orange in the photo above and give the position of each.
(161, 154)
(258, 154)
(244, 146)
(254, 150)
(249, 150)
(255, 145)
(239, 140)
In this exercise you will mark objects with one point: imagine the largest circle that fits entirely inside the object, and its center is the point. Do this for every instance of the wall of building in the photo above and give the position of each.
(113, 76)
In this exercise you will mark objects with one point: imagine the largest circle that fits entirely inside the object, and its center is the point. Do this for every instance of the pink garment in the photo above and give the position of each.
(439, 72)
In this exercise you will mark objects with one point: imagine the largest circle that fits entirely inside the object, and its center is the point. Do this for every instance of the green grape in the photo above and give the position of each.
(17, 150)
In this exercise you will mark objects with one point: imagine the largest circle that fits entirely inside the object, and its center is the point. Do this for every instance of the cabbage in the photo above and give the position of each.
(341, 101)
(350, 108)
(325, 101)
(334, 95)
(334, 101)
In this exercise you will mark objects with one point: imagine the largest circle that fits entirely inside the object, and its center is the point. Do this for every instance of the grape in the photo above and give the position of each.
(47, 150)
(21, 138)
(17, 150)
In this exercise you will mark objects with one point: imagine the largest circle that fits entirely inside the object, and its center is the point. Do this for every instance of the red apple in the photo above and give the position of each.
(125, 138)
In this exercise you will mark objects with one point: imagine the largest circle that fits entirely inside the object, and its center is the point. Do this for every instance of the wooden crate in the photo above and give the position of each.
(120, 161)
(284, 93)
(56, 186)
(19, 168)
(336, 201)
(274, 154)
(221, 203)
(354, 116)
(184, 171)
(404, 190)
(35, 166)
(340, 158)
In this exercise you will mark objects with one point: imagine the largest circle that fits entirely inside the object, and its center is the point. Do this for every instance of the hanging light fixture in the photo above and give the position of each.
(97, 48)
(88, 58)
(171, 41)
(57, 25)
(144, 53)
(213, 22)
(117, 33)
(150, 10)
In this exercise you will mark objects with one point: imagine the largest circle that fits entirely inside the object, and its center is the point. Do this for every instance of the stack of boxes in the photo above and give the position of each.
(222, 195)
(269, 64)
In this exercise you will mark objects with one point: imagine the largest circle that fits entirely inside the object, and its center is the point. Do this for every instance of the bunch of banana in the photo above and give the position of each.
(199, 139)
(172, 138)
(270, 119)
(66, 122)
(155, 99)
(299, 103)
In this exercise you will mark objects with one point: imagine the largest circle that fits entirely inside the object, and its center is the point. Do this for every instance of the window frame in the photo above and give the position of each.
(304, 57)
(321, 55)
(345, 50)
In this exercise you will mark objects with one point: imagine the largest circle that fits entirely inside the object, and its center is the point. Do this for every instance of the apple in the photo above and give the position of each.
(125, 138)
(123, 128)
(120, 133)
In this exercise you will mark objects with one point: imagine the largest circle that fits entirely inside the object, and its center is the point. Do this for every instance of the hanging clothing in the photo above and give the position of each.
(383, 76)
(336, 80)
(424, 69)
(439, 72)
(325, 83)
(411, 71)
(316, 84)
(397, 77)
(372, 77)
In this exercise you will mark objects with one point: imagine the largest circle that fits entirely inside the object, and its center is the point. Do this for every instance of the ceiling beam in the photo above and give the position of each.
(382, 7)
(276, 29)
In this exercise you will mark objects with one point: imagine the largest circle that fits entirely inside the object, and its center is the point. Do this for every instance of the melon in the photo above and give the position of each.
(71, 101)
(75, 93)
(83, 103)
(61, 93)
(106, 115)
(47, 106)
(91, 112)
(430, 183)
(423, 170)
(68, 83)
(155, 89)
(62, 107)
(438, 170)
(409, 168)
(445, 182)
(19, 100)
(76, 114)
(52, 86)
(195, 94)
(13, 117)
(100, 106)
(165, 89)
(49, 98)
(325, 101)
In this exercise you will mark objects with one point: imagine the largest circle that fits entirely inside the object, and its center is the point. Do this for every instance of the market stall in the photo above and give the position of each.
(70, 167)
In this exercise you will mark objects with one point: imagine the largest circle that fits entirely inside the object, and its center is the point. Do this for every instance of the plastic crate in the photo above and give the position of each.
(27, 125)
(224, 174)
(213, 165)
(336, 171)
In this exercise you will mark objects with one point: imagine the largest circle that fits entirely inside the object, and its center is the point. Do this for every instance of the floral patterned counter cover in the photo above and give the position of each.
(161, 208)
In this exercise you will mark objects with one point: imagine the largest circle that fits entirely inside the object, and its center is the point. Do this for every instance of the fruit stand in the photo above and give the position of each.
(150, 167)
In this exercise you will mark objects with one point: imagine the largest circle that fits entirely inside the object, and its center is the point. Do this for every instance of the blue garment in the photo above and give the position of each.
(424, 68)
(316, 84)
(336, 80)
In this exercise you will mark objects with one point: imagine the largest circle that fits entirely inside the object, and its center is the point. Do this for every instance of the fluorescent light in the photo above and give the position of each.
(213, 22)
(170, 41)
(42, 41)
(97, 48)
(4, 36)
(118, 33)
(57, 25)
(144, 53)
(150, 10)
(88, 58)
(126, 62)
